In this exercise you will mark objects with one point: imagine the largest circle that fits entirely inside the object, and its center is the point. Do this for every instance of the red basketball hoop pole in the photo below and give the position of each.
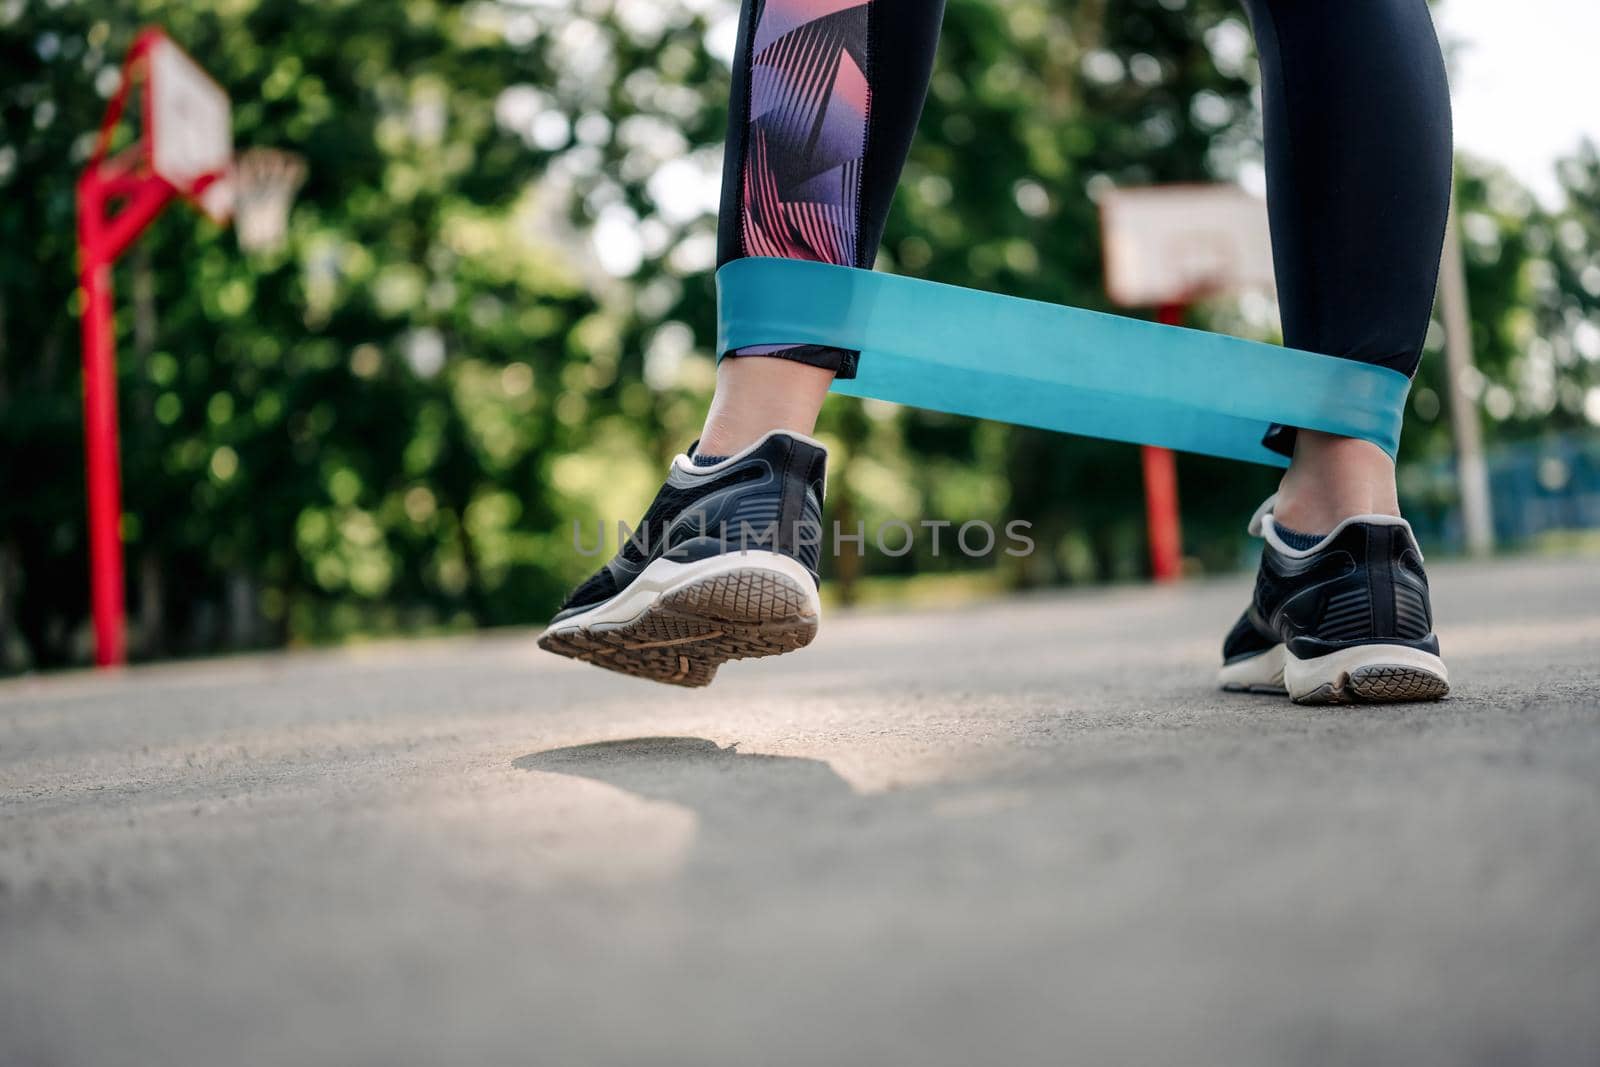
(98, 248)
(117, 197)
(1161, 492)
(1167, 246)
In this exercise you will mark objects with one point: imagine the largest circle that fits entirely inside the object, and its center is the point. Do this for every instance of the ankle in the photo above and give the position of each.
(1331, 479)
(757, 395)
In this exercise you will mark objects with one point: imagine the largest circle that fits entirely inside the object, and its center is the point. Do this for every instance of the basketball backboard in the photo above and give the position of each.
(189, 128)
(1173, 244)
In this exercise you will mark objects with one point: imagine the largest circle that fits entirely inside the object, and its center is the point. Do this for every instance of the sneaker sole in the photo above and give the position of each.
(678, 622)
(1364, 674)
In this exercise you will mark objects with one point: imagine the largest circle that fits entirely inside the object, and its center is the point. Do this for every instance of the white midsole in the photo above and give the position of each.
(1263, 671)
(1278, 668)
(663, 576)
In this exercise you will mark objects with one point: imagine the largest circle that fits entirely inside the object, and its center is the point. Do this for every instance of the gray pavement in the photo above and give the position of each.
(1025, 832)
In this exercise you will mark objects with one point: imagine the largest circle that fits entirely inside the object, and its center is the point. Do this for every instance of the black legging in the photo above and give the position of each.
(827, 93)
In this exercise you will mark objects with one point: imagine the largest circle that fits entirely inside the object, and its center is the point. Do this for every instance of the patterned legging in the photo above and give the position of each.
(827, 93)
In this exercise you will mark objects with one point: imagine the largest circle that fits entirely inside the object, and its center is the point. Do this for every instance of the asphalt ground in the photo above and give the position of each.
(1027, 831)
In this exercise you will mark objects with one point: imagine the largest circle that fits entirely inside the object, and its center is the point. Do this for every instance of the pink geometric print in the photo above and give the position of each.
(809, 108)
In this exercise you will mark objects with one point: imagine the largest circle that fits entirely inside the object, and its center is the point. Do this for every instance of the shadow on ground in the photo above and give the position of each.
(726, 788)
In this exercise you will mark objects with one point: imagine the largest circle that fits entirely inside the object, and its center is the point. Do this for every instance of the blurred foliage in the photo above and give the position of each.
(493, 312)
(1533, 282)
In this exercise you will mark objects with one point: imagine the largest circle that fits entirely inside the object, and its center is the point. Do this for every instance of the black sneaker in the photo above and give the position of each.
(1342, 622)
(723, 566)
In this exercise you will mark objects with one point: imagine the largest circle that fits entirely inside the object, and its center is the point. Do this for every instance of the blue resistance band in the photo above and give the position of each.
(988, 356)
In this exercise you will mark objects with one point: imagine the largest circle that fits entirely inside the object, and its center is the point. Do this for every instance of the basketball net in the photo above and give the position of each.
(264, 183)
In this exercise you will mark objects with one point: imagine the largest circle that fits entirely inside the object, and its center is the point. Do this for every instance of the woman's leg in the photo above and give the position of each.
(1358, 181)
(1358, 176)
(826, 97)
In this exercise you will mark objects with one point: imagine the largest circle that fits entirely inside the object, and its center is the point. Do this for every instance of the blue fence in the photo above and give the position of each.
(1536, 487)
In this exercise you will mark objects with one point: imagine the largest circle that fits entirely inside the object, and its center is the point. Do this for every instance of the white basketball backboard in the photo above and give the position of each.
(1172, 244)
(189, 127)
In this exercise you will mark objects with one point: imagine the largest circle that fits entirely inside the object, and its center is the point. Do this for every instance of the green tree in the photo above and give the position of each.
(288, 471)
